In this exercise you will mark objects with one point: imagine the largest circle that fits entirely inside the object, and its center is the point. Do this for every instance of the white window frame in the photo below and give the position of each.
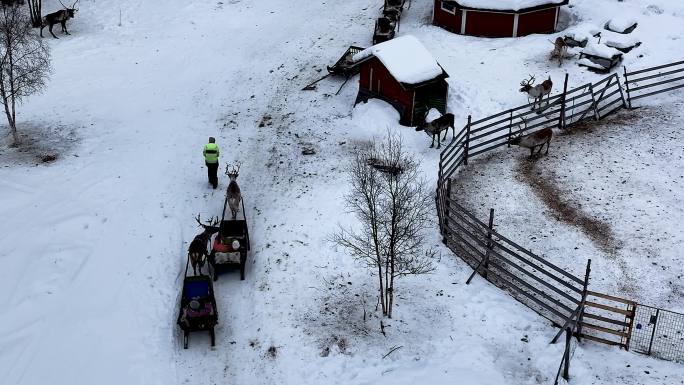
(452, 11)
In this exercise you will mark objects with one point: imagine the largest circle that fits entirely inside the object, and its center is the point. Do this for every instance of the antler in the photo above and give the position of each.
(210, 223)
(234, 170)
(214, 221)
(74, 6)
(527, 82)
(65, 7)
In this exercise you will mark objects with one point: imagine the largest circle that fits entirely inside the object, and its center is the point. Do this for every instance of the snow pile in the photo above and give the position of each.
(506, 5)
(582, 32)
(621, 42)
(601, 50)
(588, 63)
(406, 58)
(621, 24)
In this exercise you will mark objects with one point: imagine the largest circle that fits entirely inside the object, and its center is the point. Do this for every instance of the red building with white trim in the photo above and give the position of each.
(501, 18)
(404, 74)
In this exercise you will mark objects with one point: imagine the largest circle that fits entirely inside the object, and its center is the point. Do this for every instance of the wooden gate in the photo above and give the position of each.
(607, 319)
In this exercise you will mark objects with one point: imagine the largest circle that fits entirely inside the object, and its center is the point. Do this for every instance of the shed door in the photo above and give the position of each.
(431, 96)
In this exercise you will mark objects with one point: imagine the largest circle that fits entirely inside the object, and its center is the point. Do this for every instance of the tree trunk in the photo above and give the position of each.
(35, 12)
(382, 290)
(10, 99)
(11, 122)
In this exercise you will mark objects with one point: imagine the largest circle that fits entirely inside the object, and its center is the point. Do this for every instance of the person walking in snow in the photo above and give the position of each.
(211, 157)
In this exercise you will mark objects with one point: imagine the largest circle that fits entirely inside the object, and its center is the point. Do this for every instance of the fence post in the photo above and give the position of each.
(580, 316)
(655, 325)
(629, 97)
(622, 94)
(467, 142)
(489, 242)
(485, 260)
(510, 129)
(561, 118)
(594, 103)
(445, 215)
(566, 355)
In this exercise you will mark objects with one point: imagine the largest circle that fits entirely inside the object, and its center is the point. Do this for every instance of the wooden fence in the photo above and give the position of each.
(555, 294)
(652, 81)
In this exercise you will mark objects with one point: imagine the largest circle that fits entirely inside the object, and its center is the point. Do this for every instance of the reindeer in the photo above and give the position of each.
(197, 252)
(233, 193)
(534, 140)
(436, 127)
(560, 50)
(61, 17)
(537, 92)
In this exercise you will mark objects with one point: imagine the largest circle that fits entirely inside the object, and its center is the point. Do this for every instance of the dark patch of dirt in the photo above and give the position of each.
(39, 143)
(624, 118)
(547, 188)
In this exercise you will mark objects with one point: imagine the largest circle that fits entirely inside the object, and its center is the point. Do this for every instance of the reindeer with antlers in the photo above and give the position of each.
(197, 252)
(61, 17)
(537, 92)
(534, 140)
(233, 192)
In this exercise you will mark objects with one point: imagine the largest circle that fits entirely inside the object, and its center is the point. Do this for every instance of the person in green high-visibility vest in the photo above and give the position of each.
(211, 159)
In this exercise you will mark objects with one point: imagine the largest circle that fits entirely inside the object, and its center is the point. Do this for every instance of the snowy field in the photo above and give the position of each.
(93, 245)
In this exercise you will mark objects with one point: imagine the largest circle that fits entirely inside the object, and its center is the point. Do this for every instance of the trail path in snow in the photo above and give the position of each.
(146, 97)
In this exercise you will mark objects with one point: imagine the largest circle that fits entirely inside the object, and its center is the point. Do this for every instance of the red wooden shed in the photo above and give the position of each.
(403, 73)
(497, 18)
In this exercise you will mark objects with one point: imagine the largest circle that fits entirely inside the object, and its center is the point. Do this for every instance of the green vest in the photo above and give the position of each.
(211, 153)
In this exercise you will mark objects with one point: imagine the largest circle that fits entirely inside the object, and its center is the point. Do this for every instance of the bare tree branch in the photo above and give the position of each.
(392, 204)
(25, 60)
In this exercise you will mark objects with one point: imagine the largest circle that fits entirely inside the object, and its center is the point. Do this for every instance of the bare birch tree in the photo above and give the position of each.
(24, 62)
(392, 204)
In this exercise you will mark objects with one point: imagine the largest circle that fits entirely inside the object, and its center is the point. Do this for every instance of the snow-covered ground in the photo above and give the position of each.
(93, 245)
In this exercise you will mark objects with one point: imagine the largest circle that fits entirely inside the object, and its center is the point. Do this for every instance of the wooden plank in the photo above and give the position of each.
(604, 329)
(661, 74)
(657, 92)
(601, 340)
(673, 80)
(606, 319)
(610, 297)
(496, 253)
(654, 68)
(609, 308)
(608, 105)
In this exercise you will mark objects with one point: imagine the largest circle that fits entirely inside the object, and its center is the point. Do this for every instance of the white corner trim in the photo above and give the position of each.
(464, 16)
(515, 25)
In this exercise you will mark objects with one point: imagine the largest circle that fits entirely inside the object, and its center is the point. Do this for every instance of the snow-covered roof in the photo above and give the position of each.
(507, 5)
(621, 23)
(406, 58)
(582, 32)
(588, 63)
(601, 50)
(620, 41)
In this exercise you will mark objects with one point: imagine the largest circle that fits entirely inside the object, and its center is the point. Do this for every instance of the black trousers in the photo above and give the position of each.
(212, 170)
